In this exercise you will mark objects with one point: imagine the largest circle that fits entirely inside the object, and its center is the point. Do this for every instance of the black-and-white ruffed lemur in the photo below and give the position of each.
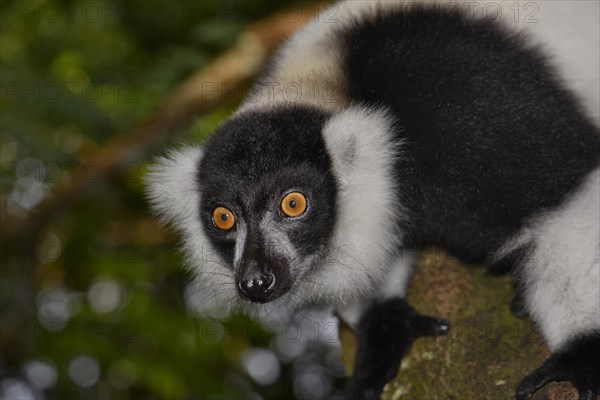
(386, 126)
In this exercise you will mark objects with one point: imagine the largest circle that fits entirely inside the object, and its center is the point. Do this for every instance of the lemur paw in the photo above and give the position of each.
(385, 334)
(578, 363)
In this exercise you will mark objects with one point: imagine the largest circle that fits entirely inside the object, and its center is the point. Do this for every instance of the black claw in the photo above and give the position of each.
(524, 393)
(423, 325)
(527, 388)
(443, 327)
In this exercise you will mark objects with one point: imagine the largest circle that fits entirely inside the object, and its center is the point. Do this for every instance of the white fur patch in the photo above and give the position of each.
(395, 284)
(172, 188)
(351, 313)
(361, 144)
(307, 69)
(562, 276)
(398, 275)
(174, 194)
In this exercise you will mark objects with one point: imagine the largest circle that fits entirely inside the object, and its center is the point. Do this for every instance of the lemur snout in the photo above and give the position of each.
(257, 287)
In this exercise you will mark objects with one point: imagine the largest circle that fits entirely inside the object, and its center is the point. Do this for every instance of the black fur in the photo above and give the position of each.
(492, 138)
(385, 334)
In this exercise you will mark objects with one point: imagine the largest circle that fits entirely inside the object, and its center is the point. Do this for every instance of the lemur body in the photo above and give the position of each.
(396, 126)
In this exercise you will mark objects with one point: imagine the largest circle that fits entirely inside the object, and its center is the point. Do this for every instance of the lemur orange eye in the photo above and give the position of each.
(223, 218)
(293, 204)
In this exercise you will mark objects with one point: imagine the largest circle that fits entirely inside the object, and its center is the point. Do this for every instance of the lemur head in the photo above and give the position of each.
(290, 202)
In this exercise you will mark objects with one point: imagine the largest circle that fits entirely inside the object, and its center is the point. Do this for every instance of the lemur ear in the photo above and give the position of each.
(172, 186)
(356, 137)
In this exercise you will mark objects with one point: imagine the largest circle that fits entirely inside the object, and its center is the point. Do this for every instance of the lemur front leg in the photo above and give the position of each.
(385, 333)
(385, 330)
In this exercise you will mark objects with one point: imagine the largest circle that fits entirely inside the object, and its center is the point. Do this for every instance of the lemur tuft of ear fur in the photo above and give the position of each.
(410, 125)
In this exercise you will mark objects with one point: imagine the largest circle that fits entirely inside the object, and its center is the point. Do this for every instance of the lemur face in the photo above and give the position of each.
(268, 198)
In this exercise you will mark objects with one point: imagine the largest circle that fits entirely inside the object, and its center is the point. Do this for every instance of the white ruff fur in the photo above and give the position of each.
(174, 194)
(361, 145)
(395, 284)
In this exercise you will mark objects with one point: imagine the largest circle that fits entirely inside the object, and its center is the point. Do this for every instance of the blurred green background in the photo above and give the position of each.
(94, 303)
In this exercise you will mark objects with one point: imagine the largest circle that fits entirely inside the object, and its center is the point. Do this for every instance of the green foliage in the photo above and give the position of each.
(106, 281)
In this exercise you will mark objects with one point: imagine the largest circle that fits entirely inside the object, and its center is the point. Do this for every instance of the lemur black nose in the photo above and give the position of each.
(257, 287)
